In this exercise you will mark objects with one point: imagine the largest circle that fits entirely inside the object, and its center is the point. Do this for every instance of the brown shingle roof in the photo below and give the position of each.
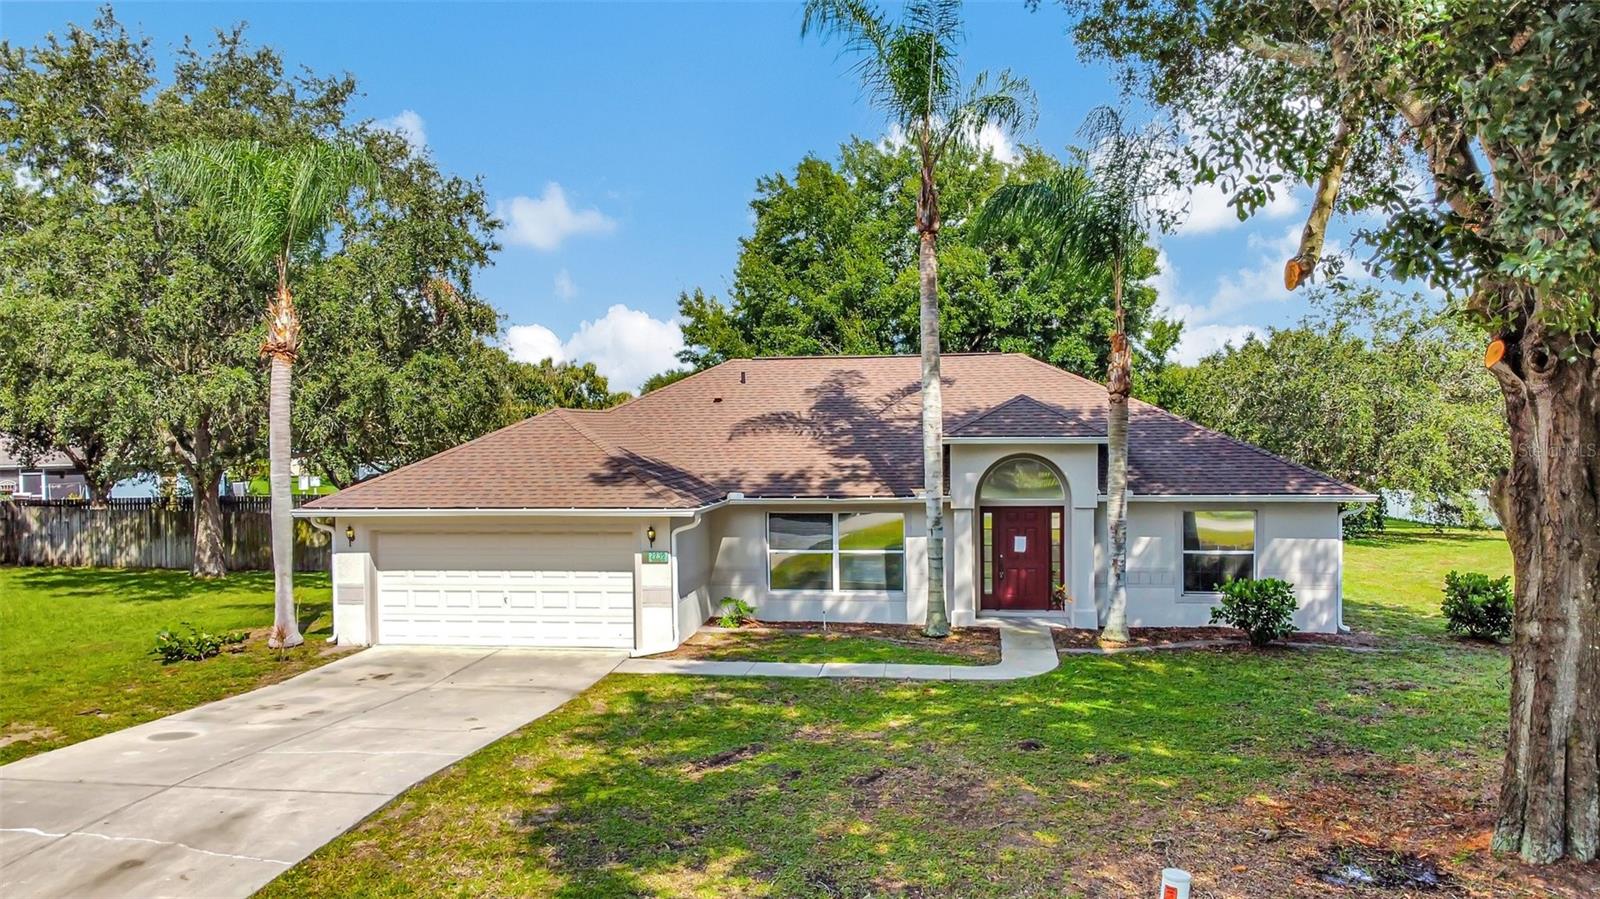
(825, 426)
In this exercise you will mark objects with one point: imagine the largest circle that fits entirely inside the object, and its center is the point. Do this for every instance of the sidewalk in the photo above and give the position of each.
(1026, 650)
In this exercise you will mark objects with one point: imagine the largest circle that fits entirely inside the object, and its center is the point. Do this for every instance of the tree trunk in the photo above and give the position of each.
(1119, 383)
(937, 623)
(1549, 505)
(210, 560)
(282, 343)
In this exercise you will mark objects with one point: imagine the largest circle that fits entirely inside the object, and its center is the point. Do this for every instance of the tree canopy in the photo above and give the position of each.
(1379, 391)
(831, 267)
(116, 297)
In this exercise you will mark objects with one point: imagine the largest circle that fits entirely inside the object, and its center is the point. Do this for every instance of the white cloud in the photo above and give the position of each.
(989, 136)
(1208, 210)
(544, 222)
(1201, 341)
(409, 125)
(534, 343)
(626, 345)
(993, 138)
(566, 288)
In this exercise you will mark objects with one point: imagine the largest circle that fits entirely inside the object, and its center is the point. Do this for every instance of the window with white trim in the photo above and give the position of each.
(850, 551)
(1219, 545)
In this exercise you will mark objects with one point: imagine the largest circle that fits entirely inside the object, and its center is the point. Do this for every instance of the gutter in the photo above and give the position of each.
(672, 544)
(479, 512)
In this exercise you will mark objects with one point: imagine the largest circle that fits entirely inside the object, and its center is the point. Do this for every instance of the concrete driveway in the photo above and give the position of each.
(218, 800)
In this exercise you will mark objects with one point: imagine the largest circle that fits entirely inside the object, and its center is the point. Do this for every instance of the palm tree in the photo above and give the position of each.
(1096, 221)
(265, 203)
(908, 69)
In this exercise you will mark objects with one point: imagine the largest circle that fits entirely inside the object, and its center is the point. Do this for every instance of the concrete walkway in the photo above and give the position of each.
(1026, 649)
(219, 800)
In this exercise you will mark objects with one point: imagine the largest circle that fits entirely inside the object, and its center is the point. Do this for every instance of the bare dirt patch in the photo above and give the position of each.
(22, 732)
(977, 645)
(1351, 824)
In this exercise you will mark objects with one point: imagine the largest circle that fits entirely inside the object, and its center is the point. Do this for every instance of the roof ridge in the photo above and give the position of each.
(1245, 444)
(999, 406)
(659, 391)
(439, 455)
(613, 451)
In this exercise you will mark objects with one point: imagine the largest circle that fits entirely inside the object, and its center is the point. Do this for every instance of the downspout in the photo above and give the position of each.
(672, 544)
(333, 633)
(1344, 514)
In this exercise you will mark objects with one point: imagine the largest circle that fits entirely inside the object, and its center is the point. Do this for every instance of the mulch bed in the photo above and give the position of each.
(979, 645)
(1080, 638)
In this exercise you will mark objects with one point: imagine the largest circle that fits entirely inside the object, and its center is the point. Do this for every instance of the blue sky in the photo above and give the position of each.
(621, 142)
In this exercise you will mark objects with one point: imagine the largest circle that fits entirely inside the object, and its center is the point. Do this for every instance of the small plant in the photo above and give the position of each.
(1059, 598)
(1478, 606)
(173, 646)
(734, 612)
(1263, 609)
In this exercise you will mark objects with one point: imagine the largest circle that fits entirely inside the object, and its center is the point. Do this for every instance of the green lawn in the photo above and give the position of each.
(1392, 581)
(74, 647)
(894, 644)
(1248, 768)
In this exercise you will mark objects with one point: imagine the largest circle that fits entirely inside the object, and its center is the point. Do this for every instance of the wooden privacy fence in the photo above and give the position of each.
(146, 533)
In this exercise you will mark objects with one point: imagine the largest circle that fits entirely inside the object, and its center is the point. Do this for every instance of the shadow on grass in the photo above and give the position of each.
(147, 584)
(650, 785)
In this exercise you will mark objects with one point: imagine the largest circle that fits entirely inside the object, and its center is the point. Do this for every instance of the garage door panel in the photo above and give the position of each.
(559, 590)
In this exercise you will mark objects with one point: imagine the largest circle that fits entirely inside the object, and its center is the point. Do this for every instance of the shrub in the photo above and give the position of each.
(1478, 606)
(735, 612)
(1263, 609)
(193, 646)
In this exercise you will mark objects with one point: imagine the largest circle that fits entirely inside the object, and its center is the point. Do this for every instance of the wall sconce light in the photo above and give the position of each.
(350, 535)
(650, 534)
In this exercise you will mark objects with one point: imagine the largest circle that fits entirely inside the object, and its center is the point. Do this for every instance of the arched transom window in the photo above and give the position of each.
(1022, 478)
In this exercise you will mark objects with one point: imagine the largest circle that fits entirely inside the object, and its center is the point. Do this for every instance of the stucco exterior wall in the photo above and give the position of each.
(692, 562)
(1297, 542)
(738, 548)
(356, 566)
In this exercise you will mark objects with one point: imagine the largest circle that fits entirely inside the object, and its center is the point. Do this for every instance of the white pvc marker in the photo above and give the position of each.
(1174, 883)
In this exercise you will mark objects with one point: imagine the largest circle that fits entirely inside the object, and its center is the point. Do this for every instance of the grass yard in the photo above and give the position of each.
(897, 644)
(74, 647)
(1258, 771)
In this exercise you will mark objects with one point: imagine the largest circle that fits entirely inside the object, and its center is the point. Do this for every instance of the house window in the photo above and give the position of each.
(1022, 479)
(1218, 546)
(1057, 548)
(988, 554)
(853, 550)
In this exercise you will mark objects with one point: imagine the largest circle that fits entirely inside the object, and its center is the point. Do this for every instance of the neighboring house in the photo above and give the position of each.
(51, 476)
(792, 483)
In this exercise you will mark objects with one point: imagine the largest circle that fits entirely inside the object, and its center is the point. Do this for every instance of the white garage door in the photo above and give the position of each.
(555, 590)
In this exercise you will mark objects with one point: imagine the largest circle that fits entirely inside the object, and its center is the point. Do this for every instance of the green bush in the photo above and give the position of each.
(735, 612)
(1263, 609)
(1477, 605)
(193, 646)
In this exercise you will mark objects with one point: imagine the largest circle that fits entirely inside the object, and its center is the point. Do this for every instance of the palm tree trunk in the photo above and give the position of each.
(1118, 386)
(937, 623)
(283, 335)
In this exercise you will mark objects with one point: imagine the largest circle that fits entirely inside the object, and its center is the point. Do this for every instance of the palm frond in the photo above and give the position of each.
(263, 201)
(1001, 99)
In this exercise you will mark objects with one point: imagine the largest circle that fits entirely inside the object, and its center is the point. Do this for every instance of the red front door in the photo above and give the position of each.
(1021, 559)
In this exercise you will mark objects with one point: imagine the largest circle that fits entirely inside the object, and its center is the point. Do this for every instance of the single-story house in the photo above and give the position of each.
(794, 484)
(50, 476)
